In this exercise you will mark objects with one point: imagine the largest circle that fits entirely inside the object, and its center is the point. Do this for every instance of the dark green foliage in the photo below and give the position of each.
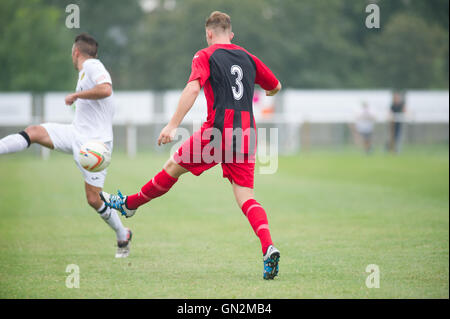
(308, 43)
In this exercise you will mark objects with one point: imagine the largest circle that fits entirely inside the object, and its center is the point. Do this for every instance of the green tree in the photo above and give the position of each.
(111, 22)
(409, 54)
(306, 43)
(166, 40)
(35, 48)
(432, 11)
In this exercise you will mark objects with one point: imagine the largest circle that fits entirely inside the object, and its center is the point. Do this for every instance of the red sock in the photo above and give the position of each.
(159, 185)
(258, 220)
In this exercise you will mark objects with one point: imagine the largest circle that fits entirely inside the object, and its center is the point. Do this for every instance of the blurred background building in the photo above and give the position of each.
(329, 62)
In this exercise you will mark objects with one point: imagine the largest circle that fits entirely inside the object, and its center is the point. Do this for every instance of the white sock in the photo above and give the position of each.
(13, 143)
(112, 219)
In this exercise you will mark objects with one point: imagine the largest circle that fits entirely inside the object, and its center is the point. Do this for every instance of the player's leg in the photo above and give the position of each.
(39, 134)
(257, 218)
(255, 214)
(397, 136)
(66, 137)
(241, 176)
(160, 184)
(391, 136)
(367, 140)
(18, 142)
(173, 168)
(107, 214)
(123, 235)
(178, 164)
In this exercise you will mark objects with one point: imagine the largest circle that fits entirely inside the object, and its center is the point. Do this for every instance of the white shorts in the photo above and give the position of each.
(66, 139)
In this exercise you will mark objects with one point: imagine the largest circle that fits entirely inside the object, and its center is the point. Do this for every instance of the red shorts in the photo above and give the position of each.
(196, 155)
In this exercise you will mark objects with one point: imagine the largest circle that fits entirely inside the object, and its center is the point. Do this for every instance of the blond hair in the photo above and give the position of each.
(218, 21)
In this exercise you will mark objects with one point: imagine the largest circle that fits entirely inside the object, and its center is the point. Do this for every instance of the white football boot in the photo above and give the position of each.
(123, 247)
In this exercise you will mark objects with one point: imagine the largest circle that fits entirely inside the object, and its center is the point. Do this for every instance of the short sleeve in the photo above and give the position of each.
(200, 68)
(264, 76)
(97, 73)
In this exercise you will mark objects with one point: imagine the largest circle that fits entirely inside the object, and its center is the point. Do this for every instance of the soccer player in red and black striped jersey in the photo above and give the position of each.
(227, 73)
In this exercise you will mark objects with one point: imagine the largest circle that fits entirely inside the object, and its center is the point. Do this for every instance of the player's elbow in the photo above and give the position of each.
(195, 91)
(193, 88)
(107, 91)
(104, 90)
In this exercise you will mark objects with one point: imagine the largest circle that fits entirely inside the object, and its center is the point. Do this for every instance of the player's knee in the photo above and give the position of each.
(241, 200)
(173, 169)
(93, 200)
(242, 194)
(33, 132)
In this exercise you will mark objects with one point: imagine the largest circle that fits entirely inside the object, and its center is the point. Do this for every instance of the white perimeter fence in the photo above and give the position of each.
(289, 111)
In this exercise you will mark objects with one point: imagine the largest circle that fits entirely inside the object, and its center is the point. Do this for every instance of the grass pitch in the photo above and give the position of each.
(331, 214)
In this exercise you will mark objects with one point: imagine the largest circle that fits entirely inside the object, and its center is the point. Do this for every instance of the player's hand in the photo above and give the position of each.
(274, 91)
(271, 93)
(167, 134)
(71, 98)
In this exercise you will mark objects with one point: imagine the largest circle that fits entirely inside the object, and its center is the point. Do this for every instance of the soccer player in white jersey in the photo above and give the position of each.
(94, 110)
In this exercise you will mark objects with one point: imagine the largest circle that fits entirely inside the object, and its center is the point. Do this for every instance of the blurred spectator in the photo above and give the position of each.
(365, 122)
(397, 117)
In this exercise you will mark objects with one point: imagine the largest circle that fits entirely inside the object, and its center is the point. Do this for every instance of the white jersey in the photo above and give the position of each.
(365, 122)
(93, 118)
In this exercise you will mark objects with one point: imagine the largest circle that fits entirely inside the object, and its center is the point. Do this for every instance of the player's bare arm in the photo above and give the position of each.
(100, 91)
(275, 90)
(187, 99)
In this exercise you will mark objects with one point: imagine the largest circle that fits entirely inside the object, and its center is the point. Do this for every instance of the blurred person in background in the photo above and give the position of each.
(364, 124)
(397, 117)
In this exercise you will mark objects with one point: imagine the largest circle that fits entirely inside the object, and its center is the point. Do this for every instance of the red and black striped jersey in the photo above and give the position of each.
(228, 74)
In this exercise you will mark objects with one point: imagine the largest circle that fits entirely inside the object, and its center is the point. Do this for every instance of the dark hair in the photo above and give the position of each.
(86, 44)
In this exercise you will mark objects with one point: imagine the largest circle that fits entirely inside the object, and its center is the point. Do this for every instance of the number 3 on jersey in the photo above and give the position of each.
(239, 91)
